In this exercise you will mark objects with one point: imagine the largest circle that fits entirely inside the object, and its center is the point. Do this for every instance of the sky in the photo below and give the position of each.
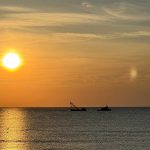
(93, 52)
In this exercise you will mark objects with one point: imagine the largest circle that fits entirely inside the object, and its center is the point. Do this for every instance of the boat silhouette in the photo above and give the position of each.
(73, 107)
(106, 108)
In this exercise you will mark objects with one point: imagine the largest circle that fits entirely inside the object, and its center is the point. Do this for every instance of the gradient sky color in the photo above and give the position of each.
(93, 52)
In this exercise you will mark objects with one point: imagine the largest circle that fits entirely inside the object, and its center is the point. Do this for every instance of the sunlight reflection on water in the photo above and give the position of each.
(45, 128)
(13, 122)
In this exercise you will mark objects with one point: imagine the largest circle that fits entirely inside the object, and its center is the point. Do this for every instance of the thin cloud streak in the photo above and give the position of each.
(14, 9)
(119, 15)
(49, 19)
(79, 37)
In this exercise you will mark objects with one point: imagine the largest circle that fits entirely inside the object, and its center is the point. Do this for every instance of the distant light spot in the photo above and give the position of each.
(133, 73)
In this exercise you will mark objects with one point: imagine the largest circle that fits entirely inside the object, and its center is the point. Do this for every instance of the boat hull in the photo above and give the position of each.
(82, 109)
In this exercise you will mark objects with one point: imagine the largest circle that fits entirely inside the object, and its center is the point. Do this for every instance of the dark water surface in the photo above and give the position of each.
(39, 129)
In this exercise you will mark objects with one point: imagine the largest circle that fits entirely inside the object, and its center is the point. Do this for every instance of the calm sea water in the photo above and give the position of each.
(42, 129)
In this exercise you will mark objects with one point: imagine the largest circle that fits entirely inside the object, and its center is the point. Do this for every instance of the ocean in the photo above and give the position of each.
(62, 129)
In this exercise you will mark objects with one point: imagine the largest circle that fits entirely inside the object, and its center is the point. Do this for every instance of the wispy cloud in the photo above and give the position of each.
(136, 34)
(113, 14)
(126, 11)
(18, 17)
(109, 16)
(49, 19)
(14, 9)
(86, 4)
(67, 37)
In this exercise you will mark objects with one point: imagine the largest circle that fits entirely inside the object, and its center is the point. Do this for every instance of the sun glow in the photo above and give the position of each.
(133, 73)
(11, 61)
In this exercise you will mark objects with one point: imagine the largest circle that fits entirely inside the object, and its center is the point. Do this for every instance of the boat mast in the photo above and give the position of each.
(73, 105)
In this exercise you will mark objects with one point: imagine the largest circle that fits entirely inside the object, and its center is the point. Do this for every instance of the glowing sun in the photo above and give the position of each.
(11, 61)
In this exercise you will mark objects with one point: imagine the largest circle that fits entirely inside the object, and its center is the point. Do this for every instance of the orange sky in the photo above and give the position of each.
(76, 53)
